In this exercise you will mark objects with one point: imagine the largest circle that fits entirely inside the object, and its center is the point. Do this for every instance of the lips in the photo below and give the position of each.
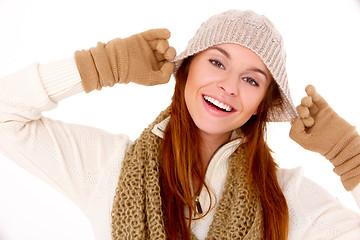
(217, 104)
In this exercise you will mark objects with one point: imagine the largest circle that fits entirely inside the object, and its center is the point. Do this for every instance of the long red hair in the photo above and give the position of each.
(180, 162)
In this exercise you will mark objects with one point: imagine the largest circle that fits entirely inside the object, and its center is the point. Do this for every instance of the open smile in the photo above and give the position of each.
(216, 104)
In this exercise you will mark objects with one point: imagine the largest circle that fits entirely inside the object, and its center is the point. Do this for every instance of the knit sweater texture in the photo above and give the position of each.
(84, 163)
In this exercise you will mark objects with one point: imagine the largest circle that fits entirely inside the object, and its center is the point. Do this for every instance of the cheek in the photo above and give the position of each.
(187, 93)
(193, 85)
(200, 75)
(190, 85)
(251, 99)
(190, 93)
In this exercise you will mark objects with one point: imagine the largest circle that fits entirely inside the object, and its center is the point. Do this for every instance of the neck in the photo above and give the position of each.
(209, 143)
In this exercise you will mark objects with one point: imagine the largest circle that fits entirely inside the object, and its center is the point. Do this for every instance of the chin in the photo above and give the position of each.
(211, 128)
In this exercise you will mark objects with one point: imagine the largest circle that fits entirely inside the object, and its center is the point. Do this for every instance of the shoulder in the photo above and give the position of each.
(313, 212)
(296, 186)
(289, 177)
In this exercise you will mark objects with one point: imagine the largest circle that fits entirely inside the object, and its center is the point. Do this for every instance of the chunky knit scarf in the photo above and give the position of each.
(137, 209)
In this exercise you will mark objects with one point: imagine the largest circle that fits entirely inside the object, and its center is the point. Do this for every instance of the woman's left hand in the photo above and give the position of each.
(320, 129)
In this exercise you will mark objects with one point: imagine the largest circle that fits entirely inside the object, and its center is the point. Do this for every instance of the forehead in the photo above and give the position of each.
(233, 50)
(239, 55)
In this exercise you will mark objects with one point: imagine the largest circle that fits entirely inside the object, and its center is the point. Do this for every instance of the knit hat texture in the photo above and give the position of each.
(255, 32)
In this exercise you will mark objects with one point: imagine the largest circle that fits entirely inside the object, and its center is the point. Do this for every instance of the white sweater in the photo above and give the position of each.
(84, 163)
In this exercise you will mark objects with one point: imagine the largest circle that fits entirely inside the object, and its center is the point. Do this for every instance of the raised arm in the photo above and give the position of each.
(320, 129)
(79, 161)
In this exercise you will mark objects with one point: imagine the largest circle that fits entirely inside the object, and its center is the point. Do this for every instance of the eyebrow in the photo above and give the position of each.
(223, 51)
(253, 69)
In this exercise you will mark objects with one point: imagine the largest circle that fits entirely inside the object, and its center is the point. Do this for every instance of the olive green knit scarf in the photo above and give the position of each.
(137, 209)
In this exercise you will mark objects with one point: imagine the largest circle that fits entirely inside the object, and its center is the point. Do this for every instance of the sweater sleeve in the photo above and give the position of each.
(81, 162)
(314, 213)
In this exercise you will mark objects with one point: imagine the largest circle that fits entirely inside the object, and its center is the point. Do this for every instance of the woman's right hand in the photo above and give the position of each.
(143, 58)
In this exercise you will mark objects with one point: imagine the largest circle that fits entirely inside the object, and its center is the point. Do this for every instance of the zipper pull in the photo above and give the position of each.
(198, 206)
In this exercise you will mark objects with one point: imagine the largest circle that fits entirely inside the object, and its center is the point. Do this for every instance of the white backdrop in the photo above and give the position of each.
(321, 37)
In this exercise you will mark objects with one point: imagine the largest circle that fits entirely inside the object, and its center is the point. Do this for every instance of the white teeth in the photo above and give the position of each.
(218, 104)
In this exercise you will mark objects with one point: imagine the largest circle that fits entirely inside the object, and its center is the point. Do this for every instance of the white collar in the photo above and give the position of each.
(159, 130)
(215, 177)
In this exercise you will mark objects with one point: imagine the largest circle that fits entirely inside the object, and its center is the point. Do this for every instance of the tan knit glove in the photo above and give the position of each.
(143, 58)
(318, 128)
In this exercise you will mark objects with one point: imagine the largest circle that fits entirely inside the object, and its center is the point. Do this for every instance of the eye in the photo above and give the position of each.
(250, 81)
(216, 63)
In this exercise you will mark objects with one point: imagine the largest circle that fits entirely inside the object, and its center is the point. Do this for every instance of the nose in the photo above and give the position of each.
(229, 85)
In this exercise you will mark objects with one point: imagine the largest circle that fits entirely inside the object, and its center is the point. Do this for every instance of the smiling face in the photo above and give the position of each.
(224, 88)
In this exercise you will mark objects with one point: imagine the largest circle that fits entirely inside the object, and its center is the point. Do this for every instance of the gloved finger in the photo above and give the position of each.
(159, 45)
(159, 56)
(314, 109)
(308, 122)
(161, 63)
(162, 46)
(164, 73)
(170, 53)
(160, 76)
(297, 128)
(306, 101)
(303, 111)
(154, 34)
(317, 99)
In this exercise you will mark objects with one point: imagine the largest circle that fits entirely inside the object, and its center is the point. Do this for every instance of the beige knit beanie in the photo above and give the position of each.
(255, 32)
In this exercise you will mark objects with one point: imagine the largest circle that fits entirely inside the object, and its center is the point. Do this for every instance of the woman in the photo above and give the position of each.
(202, 169)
